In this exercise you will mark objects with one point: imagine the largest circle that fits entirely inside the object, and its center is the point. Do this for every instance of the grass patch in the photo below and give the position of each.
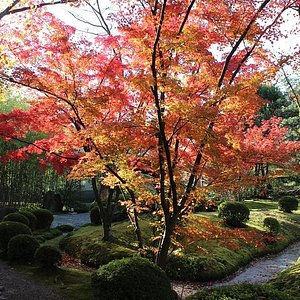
(259, 204)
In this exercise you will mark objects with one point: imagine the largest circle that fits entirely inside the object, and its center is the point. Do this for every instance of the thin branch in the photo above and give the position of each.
(186, 17)
(10, 11)
(39, 147)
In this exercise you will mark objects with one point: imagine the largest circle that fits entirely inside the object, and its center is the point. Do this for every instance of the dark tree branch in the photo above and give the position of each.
(11, 10)
(239, 41)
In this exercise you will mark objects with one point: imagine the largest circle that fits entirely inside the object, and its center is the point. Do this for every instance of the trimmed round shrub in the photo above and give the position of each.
(243, 291)
(44, 218)
(197, 268)
(22, 248)
(131, 278)
(272, 225)
(288, 203)
(233, 213)
(47, 256)
(5, 211)
(9, 229)
(31, 218)
(95, 216)
(65, 227)
(16, 217)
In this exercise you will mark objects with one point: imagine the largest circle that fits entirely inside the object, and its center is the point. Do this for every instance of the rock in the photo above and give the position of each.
(52, 202)
(2, 288)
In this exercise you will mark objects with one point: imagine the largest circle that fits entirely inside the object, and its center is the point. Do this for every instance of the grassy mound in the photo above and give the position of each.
(87, 245)
(241, 292)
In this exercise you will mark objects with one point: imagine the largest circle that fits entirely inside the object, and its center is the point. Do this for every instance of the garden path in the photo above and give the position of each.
(16, 286)
(258, 271)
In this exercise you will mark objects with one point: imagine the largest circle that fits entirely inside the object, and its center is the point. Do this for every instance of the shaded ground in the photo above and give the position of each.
(258, 271)
(15, 286)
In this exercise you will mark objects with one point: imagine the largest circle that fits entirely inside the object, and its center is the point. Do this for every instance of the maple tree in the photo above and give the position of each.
(154, 107)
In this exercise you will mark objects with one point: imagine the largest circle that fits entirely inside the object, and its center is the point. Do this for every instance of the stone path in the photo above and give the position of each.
(258, 271)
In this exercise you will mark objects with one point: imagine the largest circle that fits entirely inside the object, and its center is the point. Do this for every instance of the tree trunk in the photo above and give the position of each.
(165, 243)
(105, 218)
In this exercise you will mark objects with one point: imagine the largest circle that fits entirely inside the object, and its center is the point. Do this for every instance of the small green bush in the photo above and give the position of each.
(47, 256)
(22, 247)
(243, 291)
(65, 227)
(272, 225)
(16, 217)
(233, 213)
(9, 229)
(95, 216)
(195, 268)
(44, 218)
(50, 234)
(288, 203)
(129, 279)
(31, 218)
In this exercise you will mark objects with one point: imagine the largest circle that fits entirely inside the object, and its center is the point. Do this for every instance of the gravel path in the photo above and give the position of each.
(16, 286)
(258, 271)
(73, 219)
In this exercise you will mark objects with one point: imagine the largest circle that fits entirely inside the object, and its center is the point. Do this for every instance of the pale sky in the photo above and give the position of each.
(63, 12)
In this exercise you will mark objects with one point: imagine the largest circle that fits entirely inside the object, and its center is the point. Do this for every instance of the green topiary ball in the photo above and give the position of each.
(65, 227)
(44, 218)
(288, 203)
(272, 225)
(233, 213)
(131, 278)
(22, 247)
(47, 256)
(10, 229)
(31, 218)
(95, 216)
(16, 217)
